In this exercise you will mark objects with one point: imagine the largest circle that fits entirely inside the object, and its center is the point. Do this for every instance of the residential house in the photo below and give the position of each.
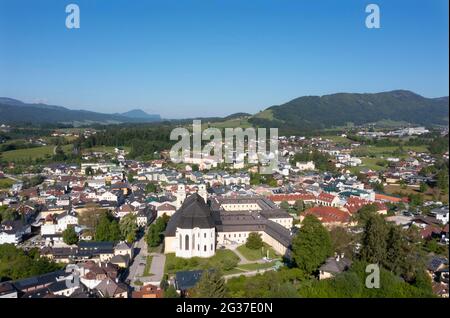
(333, 266)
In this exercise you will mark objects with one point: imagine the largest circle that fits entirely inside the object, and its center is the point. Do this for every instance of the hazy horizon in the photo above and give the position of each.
(199, 58)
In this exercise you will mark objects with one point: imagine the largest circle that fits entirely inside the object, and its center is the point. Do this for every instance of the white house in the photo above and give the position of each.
(303, 166)
(107, 196)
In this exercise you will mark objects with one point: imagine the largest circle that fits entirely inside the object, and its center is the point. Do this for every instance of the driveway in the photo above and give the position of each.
(136, 269)
(157, 268)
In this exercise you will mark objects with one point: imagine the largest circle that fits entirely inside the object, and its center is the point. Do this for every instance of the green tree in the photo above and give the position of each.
(285, 205)
(70, 237)
(442, 180)
(171, 292)
(312, 245)
(155, 231)
(151, 188)
(210, 285)
(153, 237)
(365, 213)
(341, 240)
(423, 187)
(128, 227)
(299, 206)
(254, 241)
(107, 229)
(373, 243)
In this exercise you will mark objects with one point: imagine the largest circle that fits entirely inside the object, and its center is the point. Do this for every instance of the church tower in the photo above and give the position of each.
(180, 195)
(202, 192)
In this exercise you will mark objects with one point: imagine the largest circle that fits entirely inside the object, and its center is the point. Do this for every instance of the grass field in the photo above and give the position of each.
(32, 153)
(106, 149)
(428, 196)
(148, 265)
(338, 139)
(387, 151)
(6, 183)
(231, 123)
(371, 163)
(256, 266)
(266, 114)
(254, 255)
(175, 264)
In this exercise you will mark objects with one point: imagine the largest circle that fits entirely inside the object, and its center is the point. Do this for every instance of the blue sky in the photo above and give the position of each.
(183, 58)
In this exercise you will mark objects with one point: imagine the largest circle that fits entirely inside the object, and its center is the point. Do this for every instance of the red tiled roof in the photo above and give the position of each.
(388, 198)
(429, 230)
(291, 197)
(326, 197)
(329, 214)
(354, 204)
(166, 207)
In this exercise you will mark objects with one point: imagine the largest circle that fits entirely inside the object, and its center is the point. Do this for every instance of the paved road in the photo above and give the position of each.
(243, 260)
(12, 178)
(157, 268)
(136, 269)
(249, 273)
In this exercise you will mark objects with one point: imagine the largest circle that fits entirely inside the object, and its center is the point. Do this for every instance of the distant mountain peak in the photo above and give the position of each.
(10, 101)
(140, 114)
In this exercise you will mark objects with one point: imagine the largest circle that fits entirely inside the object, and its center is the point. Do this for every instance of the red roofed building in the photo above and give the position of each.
(389, 198)
(430, 231)
(330, 216)
(354, 204)
(148, 291)
(327, 199)
(291, 198)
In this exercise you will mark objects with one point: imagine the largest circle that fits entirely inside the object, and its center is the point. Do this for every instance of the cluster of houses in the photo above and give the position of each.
(208, 210)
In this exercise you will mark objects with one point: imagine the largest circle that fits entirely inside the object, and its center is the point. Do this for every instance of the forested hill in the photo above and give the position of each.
(16, 112)
(316, 112)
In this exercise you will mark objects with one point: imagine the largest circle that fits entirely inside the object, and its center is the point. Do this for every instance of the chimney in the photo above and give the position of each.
(342, 255)
(337, 257)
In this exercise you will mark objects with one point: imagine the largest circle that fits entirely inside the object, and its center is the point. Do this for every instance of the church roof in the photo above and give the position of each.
(193, 213)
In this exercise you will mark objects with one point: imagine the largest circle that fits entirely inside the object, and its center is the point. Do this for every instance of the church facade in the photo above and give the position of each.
(199, 226)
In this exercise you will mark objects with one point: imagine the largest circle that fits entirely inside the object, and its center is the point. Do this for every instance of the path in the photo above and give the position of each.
(12, 178)
(243, 260)
(249, 273)
(140, 259)
(156, 268)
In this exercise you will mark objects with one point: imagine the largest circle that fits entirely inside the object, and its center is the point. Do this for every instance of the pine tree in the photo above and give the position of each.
(210, 285)
(374, 245)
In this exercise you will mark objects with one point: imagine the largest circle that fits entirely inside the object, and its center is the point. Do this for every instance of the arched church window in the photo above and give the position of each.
(186, 242)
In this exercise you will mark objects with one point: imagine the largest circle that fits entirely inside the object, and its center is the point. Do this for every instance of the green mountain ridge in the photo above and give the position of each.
(318, 112)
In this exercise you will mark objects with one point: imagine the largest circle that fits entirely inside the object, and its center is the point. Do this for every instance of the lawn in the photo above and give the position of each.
(148, 265)
(338, 139)
(6, 183)
(224, 260)
(372, 163)
(231, 123)
(106, 149)
(428, 196)
(256, 266)
(32, 153)
(254, 255)
(388, 151)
